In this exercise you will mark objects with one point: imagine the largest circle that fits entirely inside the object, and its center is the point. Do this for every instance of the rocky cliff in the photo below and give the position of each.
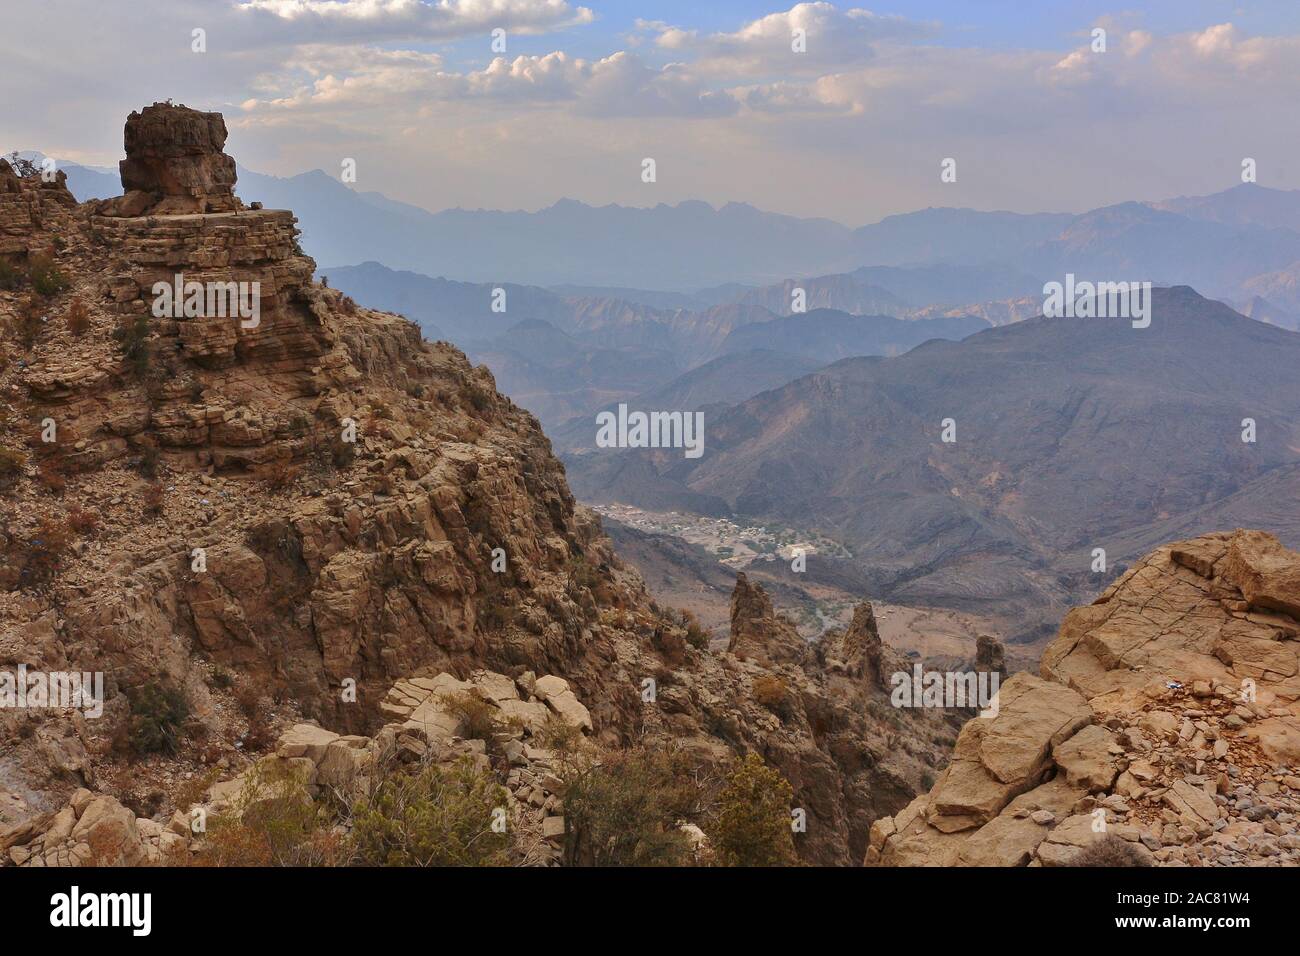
(311, 504)
(1166, 714)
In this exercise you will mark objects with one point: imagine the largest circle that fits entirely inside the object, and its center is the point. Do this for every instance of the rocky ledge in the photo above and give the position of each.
(1166, 715)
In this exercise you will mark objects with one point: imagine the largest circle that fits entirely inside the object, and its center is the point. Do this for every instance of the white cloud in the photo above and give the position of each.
(832, 38)
(352, 20)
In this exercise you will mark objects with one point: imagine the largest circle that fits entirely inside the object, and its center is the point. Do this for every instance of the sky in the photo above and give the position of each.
(853, 127)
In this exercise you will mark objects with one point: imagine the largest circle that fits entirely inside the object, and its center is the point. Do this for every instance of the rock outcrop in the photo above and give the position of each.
(429, 726)
(175, 164)
(757, 631)
(1167, 713)
(315, 504)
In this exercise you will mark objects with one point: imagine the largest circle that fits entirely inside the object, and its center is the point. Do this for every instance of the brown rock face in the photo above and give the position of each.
(315, 504)
(990, 655)
(27, 203)
(174, 161)
(757, 630)
(1168, 713)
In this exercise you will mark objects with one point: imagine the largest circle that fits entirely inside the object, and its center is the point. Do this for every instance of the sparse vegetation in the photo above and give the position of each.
(752, 823)
(1110, 850)
(670, 644)
(158, 714)
(624, 810)
(774, 694)
(696, 636)
(11, 276)
(12, 463)
(281, 475)
(479, 716)
(132, 337)
(78, 317)
(149, 459)
(154, 498)
(45, 276)
(44, 550)
(431, 816)
(274, 822)
(49, 474)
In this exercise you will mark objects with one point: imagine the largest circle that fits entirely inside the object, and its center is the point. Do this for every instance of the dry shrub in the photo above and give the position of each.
(84, 523)
(670, 645)
(696, 636)
(50, 474)
(158, 715)
(45, 550)
(281, 475)
(154, 498)
(433, 815)
(773, 693)
(481, 718)
(78, 317)
(273, 822)
(28, 321)
(12, 463)
(1110, 850)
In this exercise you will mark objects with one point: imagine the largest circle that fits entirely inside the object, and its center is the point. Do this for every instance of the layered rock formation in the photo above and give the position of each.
(1167, 712)
(322, 504)
(98, 830)
(175, 164)
(26, 203)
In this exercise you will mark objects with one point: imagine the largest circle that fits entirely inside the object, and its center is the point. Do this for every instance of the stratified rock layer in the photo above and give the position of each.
(317, 504)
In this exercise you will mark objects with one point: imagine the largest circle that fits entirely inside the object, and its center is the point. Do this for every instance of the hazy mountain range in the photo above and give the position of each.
(1071, 434)
(1237, 244)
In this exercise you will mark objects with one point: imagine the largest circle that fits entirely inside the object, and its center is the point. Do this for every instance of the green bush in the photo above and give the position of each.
(45, 275)
(752, 823)
(132, 338)
(433, 815)
(158, 712)
(624, 810)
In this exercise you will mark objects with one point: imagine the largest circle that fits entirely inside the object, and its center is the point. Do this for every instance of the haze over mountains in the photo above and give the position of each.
(1070, 431)
(1237, 244)
(1071, 434)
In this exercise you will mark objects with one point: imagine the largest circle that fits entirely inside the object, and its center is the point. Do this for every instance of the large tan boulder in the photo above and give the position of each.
(306, 740)
(1267, 573)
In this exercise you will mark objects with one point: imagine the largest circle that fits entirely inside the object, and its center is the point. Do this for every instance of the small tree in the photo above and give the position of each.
(624, 810)
(752, 824)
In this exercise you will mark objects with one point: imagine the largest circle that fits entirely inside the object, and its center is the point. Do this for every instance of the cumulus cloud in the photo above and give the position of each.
(731, 114)
(617, 85)
(344, 21)
(831, 38)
